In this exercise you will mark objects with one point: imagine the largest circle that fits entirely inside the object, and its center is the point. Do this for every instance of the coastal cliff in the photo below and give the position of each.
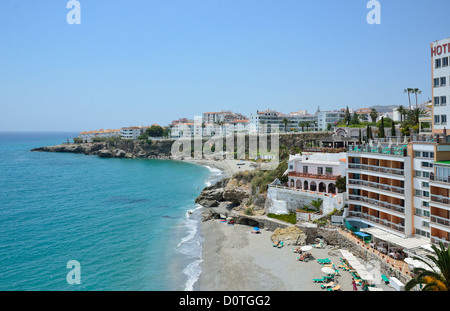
(153, 149)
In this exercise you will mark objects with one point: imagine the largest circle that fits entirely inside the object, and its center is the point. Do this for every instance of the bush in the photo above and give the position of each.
(289, 218)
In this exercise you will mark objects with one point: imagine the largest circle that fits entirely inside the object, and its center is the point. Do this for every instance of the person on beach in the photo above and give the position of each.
(354, 285)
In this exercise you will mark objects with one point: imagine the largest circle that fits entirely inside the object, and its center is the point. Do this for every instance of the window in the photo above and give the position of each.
(328, 170)
(437, 63)
(418, 192)
(425, 184)
(444, 119)
(436, 101)
(432, 155)
(427, 164)
(425, 224)
(445, 62)
(425, 204)
(436, 82)
(443, 100)
(425, 193)
(443, 81)
(320, 170)
(305, 169)
(426, 213)
(417, 174)
(291, 167)
(417, 154)
(437, 119)
(426, 174)
(425, 155)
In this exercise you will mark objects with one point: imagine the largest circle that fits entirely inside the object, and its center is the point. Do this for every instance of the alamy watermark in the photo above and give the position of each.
(374, 16)
(74, 15)
(74, 275)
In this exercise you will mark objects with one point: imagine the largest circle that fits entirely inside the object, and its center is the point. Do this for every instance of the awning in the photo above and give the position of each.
(407, 243)
(359, 267)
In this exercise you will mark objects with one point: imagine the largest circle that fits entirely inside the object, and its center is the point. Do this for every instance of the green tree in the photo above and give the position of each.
(285, 121)
(347, 117)
(316, 204)
(373, 115)
(381, 128)
(393, 133)
(435, 278)
(360, 137)
(355, 119)
(341, 184)
(402, 111)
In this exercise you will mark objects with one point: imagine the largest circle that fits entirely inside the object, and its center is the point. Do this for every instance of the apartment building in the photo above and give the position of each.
(378, 181)
(403, 190)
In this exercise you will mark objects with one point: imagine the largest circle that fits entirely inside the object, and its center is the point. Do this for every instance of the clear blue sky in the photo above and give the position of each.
(143, 61)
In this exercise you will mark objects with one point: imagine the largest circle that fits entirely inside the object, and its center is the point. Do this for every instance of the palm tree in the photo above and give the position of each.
(374, 115)
(415, 92)
(413, 116)
(316, 204)
(409, 91)
(285, 121)
(303, 125)
(433, 279)
(402, 111)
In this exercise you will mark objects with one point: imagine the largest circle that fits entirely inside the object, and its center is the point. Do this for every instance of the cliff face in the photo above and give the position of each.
(155, 149)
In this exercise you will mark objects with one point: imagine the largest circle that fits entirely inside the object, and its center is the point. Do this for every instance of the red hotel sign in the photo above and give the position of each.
(437, 50)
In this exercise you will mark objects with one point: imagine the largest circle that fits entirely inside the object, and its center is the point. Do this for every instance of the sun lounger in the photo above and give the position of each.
(280, 245)
(385, 279)
(334, 288)
(327, 285)
(323, 260)
(319, 280)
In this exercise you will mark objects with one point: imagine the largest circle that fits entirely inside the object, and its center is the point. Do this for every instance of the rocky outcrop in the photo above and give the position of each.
(290, 236)
(153, 149)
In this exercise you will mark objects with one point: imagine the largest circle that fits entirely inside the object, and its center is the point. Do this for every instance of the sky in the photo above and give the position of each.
(141, 62)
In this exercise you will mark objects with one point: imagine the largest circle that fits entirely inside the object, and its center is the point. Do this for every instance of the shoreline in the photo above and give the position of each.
(234, 259)
(228, 167)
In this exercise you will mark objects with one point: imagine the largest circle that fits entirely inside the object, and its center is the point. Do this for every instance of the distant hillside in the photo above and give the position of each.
(383, 109)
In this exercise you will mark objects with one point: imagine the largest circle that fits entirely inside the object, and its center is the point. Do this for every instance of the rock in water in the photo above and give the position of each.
(290, 236)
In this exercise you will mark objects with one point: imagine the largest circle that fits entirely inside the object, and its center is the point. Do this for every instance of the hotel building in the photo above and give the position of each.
(440, 71)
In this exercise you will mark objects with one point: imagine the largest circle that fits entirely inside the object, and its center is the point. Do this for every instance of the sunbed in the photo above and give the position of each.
(327, 285)
(319, 280)
(333, 288)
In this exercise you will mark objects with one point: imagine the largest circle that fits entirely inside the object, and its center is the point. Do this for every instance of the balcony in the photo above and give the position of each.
(365, 183)
(436, 240)
(441, 179)
(398, 151)
(377, 203)
(314, 176)
(440, 220)
(440, 199)
(379, 221)
(378, 169)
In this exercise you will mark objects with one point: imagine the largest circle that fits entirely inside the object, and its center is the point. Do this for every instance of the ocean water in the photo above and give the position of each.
(132, 224)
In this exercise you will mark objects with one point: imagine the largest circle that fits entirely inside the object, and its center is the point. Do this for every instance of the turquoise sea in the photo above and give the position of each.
(126, 221)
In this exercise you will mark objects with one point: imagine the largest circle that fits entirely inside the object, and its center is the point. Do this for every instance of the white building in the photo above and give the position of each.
(440, 54)
(316, 172)
(88, 136)
(132, 132)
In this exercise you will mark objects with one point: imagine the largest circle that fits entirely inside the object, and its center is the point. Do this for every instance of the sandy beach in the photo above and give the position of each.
(234, 259)
(229, 167)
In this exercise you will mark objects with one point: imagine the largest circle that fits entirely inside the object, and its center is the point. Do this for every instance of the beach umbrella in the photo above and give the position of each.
(328, 270)
(305, 248)
(256, 229)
